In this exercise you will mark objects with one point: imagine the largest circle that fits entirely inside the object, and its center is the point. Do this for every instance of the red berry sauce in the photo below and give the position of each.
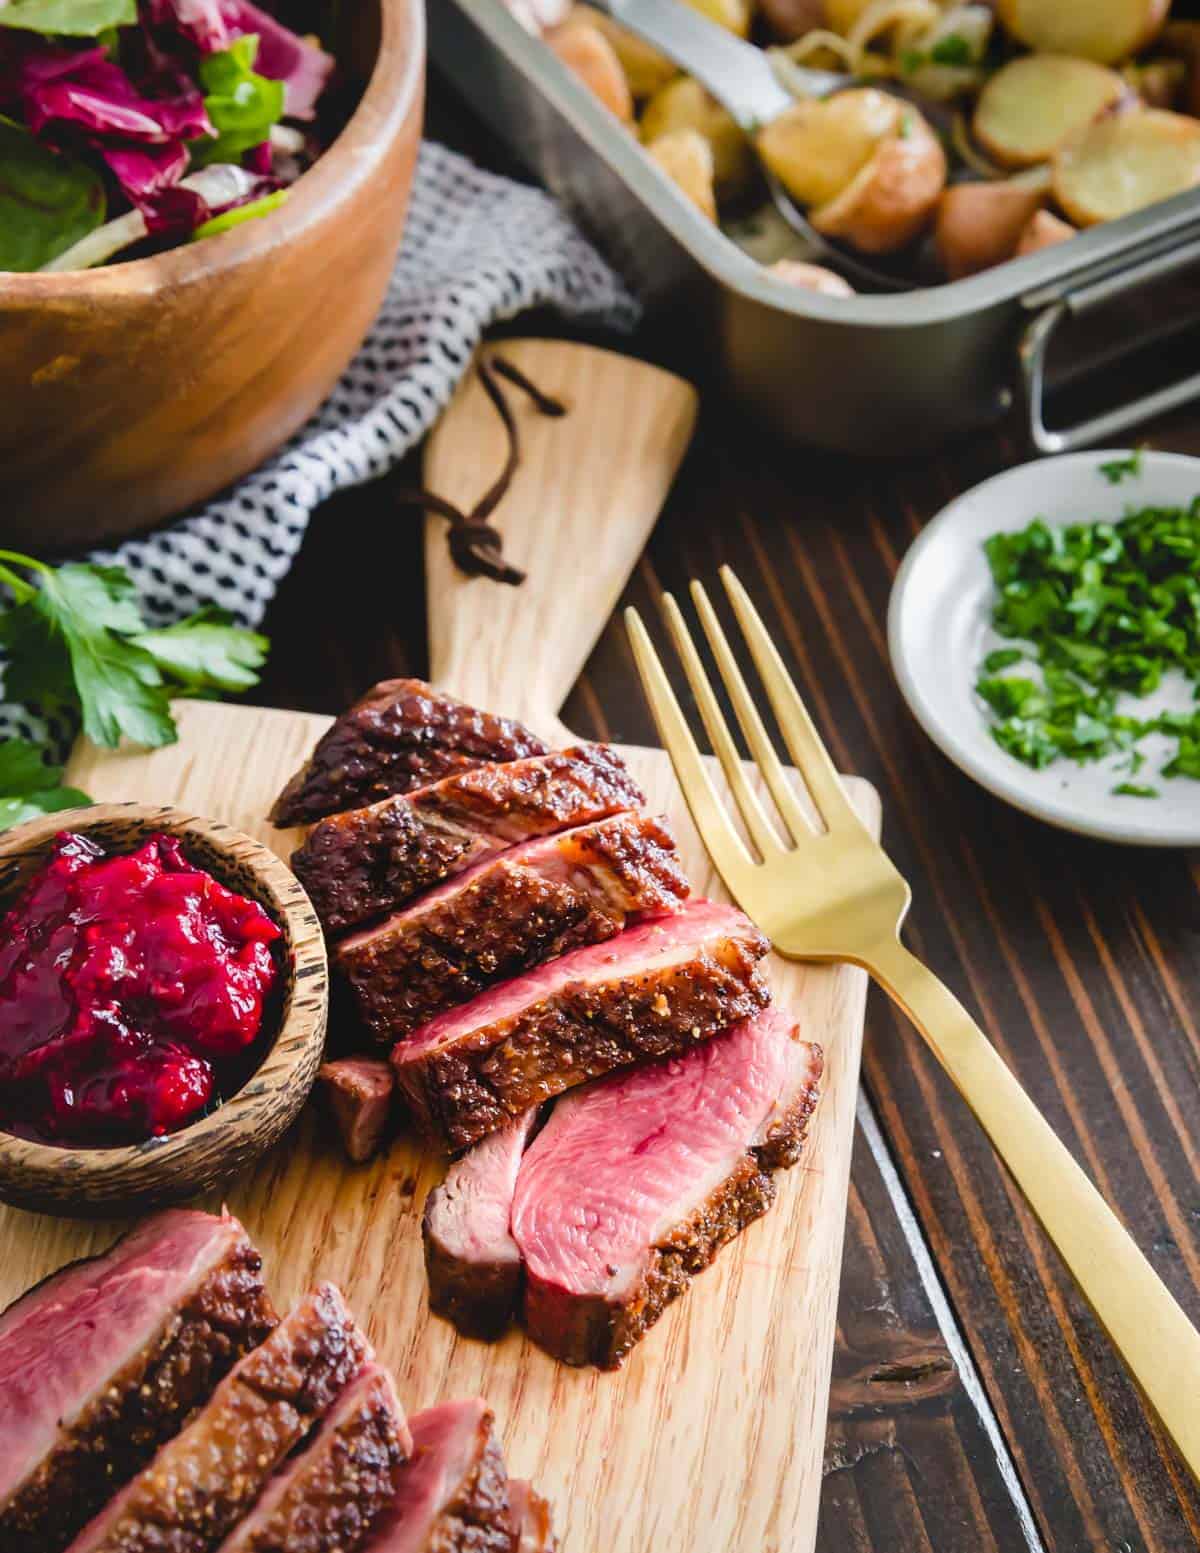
(132, 992)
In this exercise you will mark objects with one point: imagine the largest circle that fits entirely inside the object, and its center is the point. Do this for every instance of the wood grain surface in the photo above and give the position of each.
(715, 1426)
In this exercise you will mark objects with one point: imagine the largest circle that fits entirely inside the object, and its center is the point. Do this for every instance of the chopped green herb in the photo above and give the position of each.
(911, 60)
(1102, 610)
(75, 639)
(953, 49)
(1132, 790)
(1118, 469)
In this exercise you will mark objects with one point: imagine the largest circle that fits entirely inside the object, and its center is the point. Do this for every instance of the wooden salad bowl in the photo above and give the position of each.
(134, 391)
(91, 1182)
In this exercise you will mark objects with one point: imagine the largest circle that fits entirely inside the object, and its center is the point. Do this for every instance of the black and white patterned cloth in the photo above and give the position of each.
(477, 249)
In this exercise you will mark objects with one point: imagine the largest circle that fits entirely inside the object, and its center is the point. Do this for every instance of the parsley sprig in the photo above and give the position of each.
(76, 642)
(1102, 609)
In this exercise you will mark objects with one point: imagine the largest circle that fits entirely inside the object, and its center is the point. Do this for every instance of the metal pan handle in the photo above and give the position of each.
(1053, 308)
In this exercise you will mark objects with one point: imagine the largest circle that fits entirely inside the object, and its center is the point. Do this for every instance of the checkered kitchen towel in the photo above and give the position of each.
(477, 249)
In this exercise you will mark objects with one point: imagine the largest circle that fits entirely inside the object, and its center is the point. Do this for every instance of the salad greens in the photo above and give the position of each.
(1102, 611)
(47, 201)
(76, 641)
(113, 113)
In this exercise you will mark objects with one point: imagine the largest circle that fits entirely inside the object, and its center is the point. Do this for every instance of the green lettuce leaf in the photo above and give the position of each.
(48, 201)
(68, 18)
(241, 104)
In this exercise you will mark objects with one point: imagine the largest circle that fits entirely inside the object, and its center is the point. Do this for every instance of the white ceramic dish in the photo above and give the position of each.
(939, 630)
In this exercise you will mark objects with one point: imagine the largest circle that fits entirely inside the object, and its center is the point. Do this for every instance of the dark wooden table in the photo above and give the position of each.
(976, 1404)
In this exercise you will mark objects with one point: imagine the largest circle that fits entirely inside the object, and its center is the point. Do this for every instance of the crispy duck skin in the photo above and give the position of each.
(401, 735)
(471, 1260)
(654, 990)
(207, 1477)
(358, 866)
(636, 1183)
(507, 915)
(329, 1495)
(104, 1360)
(453, 1492)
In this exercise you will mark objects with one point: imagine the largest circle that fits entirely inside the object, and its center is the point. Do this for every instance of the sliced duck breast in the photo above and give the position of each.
(507, 915)
(655, 989)
(636, 1182)
(402, 734)
(471, 1259)
(529, 1516)
(453, 1492)
(359, 1093)
(358, 866)
(328, 1496)
(208, 1476)
(103, 1361)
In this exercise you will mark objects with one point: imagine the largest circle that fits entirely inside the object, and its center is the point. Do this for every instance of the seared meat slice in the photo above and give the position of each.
(453, 1493)
(359, 1091)
(329, 1495)
(401, 735)
(635, 1183)
(471, 1259)
(205, 1479)
(655, 989)
(103, 1361)
(508, 914)
(358, 866)
(529, 1516)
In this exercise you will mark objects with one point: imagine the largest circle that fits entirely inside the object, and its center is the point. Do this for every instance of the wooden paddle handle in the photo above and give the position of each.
(576, 518)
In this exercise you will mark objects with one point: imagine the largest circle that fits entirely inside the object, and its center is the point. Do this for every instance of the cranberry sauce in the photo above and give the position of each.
(131, 990)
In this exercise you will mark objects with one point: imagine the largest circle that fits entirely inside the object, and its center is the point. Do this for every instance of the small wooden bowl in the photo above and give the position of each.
(133, 391)
(90, 1182)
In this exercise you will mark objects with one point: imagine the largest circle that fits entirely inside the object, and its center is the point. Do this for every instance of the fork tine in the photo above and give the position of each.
(757, 823)
(801, 737)
(725, 846)
(752, 726)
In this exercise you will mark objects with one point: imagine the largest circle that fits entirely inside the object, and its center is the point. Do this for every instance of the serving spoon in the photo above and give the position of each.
(743, 81)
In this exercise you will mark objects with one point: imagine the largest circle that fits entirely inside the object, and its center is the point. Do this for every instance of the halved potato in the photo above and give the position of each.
(817, 146)
(980, 224)
(812, 277)
(1104, 30)
(583, 48)
(1124, 162)
(684, 104)
(645, 68)
(1045, 230)
(734, 15)
(1032, 104)
(887, 203)
(686, 158)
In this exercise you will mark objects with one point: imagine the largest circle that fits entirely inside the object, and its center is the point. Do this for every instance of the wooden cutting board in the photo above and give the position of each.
(710, 1439)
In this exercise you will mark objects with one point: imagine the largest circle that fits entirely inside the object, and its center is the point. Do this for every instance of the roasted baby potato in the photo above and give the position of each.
(868, 166)
(816, 147)
(1045, 230)
(645, 68)
(684, 104)
(687, 159)
(1104, 30)
(812, 277)
(981, 224)
(583, 48)
(1126, 161)
(1032, 104)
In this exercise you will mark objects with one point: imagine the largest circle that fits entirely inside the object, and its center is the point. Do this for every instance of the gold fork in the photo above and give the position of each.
(836, 895)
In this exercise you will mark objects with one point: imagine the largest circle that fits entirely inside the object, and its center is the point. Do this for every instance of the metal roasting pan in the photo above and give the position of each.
(872, 374)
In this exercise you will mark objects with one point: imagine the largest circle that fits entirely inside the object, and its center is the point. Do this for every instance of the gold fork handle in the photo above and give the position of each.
(1146, 1323)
